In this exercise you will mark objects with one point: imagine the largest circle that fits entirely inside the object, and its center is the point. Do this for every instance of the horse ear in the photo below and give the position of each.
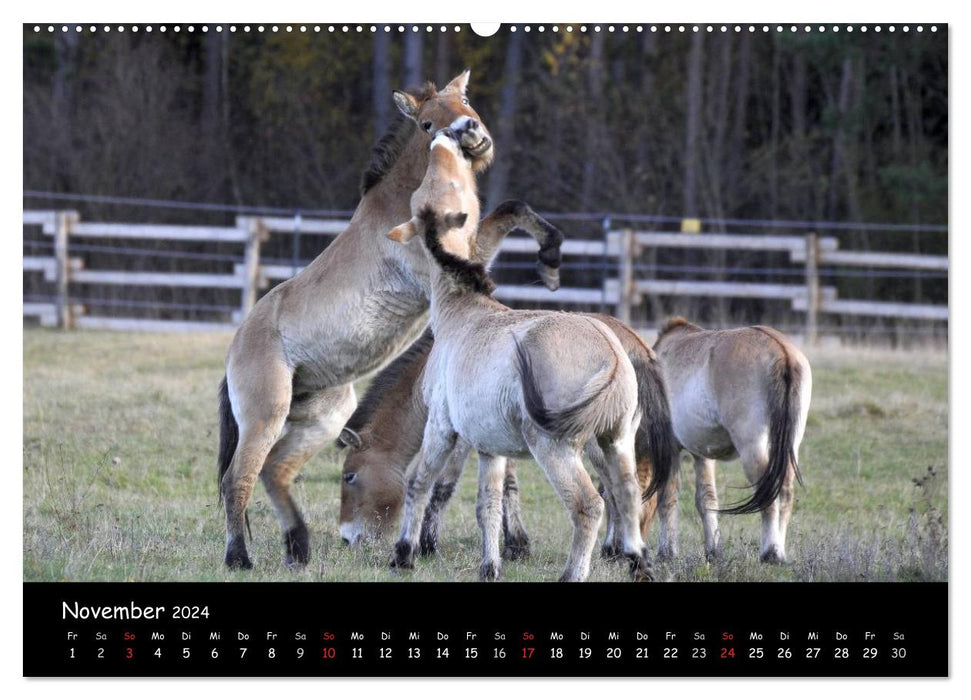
(349, 438)
(406, 104)
(460, 82)
(403, 233)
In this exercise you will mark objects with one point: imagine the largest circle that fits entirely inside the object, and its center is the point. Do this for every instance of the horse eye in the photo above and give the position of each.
(427, 126)
(349, 477)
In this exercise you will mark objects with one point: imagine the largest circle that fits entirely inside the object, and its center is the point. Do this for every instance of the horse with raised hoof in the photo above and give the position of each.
(289, 370)
(513, 384)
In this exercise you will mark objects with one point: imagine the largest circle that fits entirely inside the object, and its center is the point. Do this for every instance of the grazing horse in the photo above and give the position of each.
(289, 371)
(384, 434)
(513, 384)
(745, 393)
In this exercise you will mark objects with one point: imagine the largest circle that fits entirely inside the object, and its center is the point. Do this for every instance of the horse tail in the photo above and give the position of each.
(784, 410)
(228, 433)
(655, 435)
(228, 440)
(600, 404)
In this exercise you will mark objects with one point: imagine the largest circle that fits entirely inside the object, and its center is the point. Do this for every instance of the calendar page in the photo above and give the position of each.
(515, 350)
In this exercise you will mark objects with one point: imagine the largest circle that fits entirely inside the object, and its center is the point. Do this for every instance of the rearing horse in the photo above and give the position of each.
(287, 390)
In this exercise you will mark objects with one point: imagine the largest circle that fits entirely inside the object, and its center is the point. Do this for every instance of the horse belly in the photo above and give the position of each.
(366, 345)
(698, 430)
(484, 419)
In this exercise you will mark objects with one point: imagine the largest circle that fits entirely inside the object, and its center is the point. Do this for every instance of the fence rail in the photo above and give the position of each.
(623, 285)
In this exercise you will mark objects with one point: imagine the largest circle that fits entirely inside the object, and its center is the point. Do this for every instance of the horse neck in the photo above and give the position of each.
(454, 307)
(393, 192)
(396, 428)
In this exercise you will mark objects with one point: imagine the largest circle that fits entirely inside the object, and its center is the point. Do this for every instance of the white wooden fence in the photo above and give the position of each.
(621, 289)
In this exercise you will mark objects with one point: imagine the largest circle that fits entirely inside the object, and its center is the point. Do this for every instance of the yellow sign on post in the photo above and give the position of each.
(690, 225)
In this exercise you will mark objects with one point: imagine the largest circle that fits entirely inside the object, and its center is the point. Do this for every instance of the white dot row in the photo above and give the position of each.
(345, 28)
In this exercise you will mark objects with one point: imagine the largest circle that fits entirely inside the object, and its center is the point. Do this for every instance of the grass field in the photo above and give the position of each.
(120, 484)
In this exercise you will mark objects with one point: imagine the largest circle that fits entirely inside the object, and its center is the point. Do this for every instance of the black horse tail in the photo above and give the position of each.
(655, 435)
(593, 409)
(228, 439)
(228, 433)
(784, 399)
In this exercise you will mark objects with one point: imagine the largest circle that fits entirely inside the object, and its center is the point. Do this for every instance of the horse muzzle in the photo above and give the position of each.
(351, 533)
(476, 144)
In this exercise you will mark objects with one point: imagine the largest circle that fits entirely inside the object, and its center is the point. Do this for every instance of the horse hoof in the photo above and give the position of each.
(665, 554)
(238, 562)
(515, 549)
(236, 556)
(403, 556)
(640, 569)
(609, 552)
(489, 571)
(297, 542)
(772, 556)
(427, 546)
(713, 555)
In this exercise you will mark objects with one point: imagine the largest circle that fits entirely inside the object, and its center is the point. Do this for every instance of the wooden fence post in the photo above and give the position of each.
(626, 257)
(63, 221)
(256, 234)
(812, 289)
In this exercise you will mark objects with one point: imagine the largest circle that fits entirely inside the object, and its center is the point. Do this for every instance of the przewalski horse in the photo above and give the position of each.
(384, 434)
(744, 393)
(287, 390)
(513, 384)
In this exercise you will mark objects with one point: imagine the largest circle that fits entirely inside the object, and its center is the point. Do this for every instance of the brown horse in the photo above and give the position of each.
(289, 371)
(741, 392)
(385, 433)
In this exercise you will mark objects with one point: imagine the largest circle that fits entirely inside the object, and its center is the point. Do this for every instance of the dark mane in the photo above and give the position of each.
(386, 379)
(390, 146)
(472, 276)
(676, 322)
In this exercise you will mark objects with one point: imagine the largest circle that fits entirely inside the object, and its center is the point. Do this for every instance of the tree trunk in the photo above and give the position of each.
(381, 82)
(413, 75)
(842, 105)
(595, 97)
(505, 126)
(442, 56)
(66, 48)
(775, 130)
(692, 126)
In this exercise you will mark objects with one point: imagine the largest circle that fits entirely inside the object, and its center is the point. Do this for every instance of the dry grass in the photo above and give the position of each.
(120, 484)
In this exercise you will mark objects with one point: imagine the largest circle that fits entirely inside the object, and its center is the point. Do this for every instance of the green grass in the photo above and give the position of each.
(120, 483)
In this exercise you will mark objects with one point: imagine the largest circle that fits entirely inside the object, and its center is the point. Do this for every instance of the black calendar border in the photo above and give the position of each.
(917, 610)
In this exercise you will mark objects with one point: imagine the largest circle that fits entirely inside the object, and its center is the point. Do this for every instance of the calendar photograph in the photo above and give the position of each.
(373, 305)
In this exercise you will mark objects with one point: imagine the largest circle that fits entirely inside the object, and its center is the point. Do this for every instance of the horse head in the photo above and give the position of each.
(433, 110)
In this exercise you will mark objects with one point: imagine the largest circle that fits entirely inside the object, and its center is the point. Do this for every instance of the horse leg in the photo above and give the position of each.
(436, 447)
(564, 470)
(785, 509)
(488, 513)
(667, 546)
(645, 471)
(619, 455)
(441, 494)
(755, 460)
(611, 548)
(706, 501)
(513, 214)
(260, 408)
(514, 536)
(312, 423)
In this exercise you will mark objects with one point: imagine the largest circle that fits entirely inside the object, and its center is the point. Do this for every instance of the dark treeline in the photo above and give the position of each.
(819, 126)
(784, 126)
